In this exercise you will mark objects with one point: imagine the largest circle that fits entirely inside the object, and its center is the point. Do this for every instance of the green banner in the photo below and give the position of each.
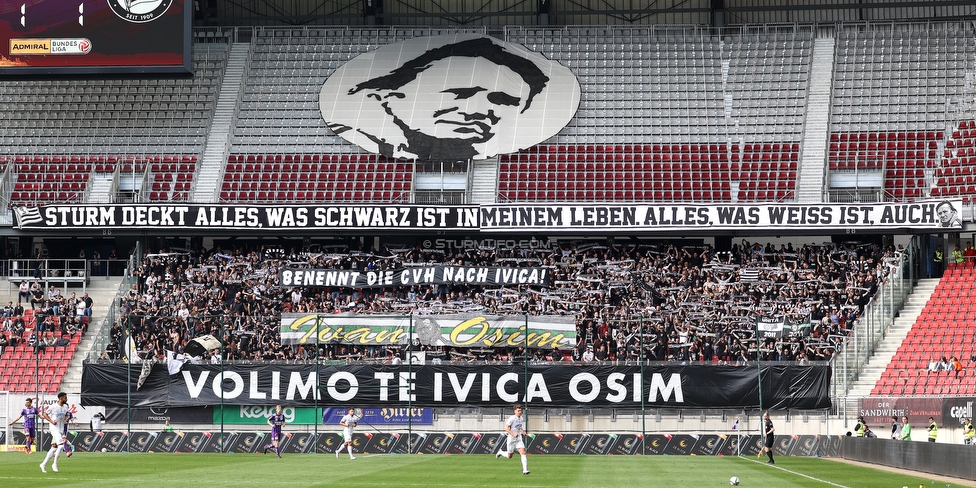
(457, 330)
(258, 414)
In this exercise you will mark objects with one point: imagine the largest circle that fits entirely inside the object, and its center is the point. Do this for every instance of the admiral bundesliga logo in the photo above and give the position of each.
(140, 11)
(31, 47)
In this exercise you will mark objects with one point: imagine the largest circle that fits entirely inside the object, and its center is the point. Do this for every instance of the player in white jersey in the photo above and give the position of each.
(56, 415)
(348, 423)
(515, 440)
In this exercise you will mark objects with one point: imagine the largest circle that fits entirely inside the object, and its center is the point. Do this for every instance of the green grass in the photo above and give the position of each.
(429, 471)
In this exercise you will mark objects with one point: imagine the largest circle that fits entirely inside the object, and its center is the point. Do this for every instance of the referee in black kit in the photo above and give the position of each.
(768, 431)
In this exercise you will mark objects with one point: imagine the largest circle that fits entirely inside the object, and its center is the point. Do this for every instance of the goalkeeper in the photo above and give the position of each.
(348, 423)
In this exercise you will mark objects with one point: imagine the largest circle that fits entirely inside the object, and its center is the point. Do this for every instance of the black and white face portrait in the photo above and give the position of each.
(948, 215)
(449, 98)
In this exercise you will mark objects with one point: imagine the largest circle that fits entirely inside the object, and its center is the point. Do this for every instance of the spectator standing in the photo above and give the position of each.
(968, 432)
(906, 429)
(88, 304)
(860, 428)
(933, 429)
(957, 255)
(97, 263)
(96, 422)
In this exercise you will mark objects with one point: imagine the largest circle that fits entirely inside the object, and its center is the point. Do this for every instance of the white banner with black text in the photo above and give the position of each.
(932, 215)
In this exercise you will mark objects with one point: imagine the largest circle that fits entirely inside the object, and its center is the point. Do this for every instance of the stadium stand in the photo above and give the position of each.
(659, 172)
(699, 303)
(651, 95)
(43, 179)
(681, 106)
(32, 359)
(892, 88)
(942, 331)
(956, 175)
(668, 113)
(171, 177)
(316, 178)
(64, 133)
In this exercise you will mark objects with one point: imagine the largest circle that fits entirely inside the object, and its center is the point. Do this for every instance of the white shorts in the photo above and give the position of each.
(514, 443)
(346, 436)
(57, 437)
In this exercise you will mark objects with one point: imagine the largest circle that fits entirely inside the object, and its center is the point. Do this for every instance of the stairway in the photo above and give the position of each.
(100, 188)
(102, 293)
(484, 181)
(214, 158)
(810, 180)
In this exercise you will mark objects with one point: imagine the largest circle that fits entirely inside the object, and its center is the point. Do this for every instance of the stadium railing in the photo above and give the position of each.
(48, 271)
(872, 327)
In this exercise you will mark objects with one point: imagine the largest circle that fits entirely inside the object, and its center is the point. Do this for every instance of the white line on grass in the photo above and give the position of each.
(54, 477)
(41, 477)
(798, 474)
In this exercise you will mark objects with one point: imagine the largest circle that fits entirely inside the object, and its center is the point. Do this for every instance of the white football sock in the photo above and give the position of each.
(525, 462)
(50, 453)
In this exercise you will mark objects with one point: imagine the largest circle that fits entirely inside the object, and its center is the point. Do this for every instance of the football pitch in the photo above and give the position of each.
(429, 471)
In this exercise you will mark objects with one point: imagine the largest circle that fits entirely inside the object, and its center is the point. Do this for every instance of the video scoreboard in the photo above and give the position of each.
(94, 37)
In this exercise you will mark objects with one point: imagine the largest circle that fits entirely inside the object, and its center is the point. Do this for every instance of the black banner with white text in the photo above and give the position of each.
(660, 385)
(422, 275)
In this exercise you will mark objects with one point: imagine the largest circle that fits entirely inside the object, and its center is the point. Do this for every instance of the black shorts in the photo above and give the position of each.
(769, 441)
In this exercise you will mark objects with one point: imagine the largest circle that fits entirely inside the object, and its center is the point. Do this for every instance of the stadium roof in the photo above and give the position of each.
(569, 12)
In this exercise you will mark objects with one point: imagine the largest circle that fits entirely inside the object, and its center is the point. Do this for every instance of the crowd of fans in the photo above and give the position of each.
(658, 302)
(54, 319)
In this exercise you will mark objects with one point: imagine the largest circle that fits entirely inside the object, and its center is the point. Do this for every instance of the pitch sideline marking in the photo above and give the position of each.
(799, 474)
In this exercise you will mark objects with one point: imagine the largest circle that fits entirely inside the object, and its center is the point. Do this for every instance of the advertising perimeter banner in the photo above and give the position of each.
(258, 415)
(427, 442)
(478, 385)
(878, 412)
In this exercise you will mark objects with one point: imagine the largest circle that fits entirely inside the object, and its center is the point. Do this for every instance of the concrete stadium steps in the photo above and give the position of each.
(102, 292)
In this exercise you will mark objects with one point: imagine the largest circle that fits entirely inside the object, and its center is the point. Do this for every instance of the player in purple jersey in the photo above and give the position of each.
(276, 421)
(29, 414)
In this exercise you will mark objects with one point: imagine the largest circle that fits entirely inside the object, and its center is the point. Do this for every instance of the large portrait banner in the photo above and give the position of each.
(454, 97)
